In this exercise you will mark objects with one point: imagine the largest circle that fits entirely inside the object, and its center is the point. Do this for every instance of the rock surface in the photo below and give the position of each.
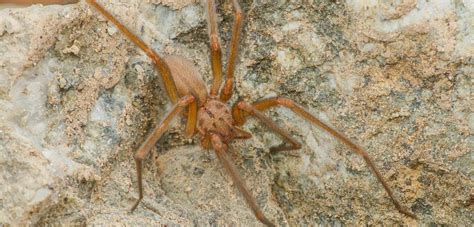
(77, 99)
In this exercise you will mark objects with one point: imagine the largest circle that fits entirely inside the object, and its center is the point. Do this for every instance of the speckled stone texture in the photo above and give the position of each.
(77, 99)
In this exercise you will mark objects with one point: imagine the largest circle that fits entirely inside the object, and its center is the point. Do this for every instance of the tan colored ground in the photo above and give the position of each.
(77, 99)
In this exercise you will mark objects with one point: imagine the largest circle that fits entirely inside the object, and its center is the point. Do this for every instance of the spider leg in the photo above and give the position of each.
(267, 103)
(241, 134)
(226, 92)
(221, 149)
(216, 53)
(292, 143)
(159, 63)
(153, 137)
(192, 119)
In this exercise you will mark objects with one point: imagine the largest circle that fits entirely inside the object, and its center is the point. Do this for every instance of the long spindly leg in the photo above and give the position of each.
(192, 119)
(267, 103)
(226, 92)
(159, 63)
(153, 137)
(228, 165)
(216, 53)
(241, 134)
(291, 144)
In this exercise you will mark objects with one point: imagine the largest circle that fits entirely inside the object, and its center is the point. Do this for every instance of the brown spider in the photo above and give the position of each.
(215, 121)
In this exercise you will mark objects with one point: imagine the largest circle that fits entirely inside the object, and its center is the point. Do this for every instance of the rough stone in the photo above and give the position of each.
(77, 99)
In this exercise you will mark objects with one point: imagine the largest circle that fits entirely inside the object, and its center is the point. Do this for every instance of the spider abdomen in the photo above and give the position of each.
(186, 77)
(215, 117)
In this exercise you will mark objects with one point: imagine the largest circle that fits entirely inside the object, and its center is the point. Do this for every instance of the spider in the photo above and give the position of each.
(211, 117)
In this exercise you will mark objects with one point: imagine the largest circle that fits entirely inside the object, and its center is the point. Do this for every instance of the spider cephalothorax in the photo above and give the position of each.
(216, 123)
(214, 117)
